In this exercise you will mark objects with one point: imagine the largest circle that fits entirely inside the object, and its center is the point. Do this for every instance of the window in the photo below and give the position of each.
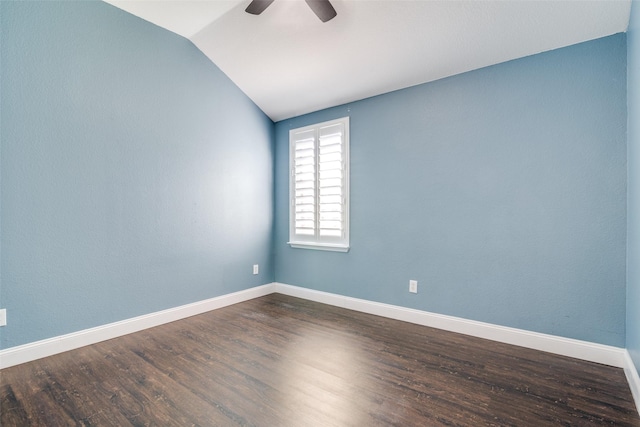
(319, 186)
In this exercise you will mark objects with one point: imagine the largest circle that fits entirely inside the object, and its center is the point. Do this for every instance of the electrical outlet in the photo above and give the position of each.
(256, 268)
(3, 317)
(413, 286)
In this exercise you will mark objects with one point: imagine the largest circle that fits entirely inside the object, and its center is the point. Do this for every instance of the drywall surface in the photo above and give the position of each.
(633, 134)
(135, 175)
(502, 191)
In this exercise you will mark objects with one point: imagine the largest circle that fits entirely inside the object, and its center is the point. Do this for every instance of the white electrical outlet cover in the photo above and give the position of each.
(413, 286)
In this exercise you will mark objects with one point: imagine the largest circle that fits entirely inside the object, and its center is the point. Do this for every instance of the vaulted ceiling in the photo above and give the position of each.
(290, 63)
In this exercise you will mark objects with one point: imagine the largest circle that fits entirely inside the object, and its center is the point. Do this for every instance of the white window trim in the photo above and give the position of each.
(335, 244)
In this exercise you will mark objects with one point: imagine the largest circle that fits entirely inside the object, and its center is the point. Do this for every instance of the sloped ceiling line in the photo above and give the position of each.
(289, 63)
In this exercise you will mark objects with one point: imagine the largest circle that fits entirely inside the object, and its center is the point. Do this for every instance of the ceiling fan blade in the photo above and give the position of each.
(256, 7)
(322, 8)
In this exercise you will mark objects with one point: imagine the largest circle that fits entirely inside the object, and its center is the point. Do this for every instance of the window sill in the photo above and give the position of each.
(319, 246)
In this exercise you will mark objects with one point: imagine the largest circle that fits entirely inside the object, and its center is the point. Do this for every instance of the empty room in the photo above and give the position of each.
(320, 213)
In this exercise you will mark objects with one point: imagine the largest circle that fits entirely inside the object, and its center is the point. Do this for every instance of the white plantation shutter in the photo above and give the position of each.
(330, 180)
(305, 184)
(320, 186)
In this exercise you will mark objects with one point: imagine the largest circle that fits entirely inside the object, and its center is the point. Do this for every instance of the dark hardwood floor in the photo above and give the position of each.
(282, 361)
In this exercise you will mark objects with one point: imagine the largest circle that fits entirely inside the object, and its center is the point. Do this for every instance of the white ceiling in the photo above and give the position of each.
(290, 63)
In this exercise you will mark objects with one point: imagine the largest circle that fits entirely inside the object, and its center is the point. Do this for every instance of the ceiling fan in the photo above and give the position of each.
(322, 8)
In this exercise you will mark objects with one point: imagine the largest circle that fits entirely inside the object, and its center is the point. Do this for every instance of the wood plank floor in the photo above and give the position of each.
(283, 361)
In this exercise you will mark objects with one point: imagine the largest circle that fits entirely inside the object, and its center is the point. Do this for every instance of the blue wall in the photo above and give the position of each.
(633, 244)
(135, 175)
(502, 191)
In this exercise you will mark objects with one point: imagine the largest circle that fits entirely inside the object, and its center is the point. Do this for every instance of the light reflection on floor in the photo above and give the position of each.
(326, 365)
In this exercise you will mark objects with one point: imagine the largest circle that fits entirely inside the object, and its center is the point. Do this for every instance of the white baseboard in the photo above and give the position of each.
(48, 347)
(599, 353)
(633, 378)
(607, 355)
